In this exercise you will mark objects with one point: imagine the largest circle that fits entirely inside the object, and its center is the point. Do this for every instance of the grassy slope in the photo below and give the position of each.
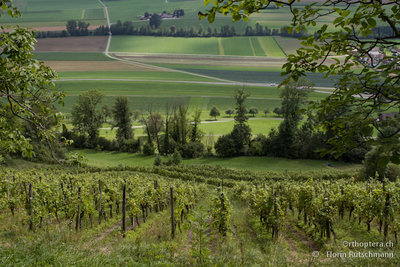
(141, 94)
(104, 158)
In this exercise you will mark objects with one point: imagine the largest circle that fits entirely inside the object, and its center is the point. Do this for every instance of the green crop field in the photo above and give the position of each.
(137, 75)
(148, 44)
(55, 13)
(288, 45)
(232, 46)
(93, 13)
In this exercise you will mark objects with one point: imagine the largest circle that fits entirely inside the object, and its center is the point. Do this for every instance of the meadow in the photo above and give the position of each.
(279, 165)
(232, 46)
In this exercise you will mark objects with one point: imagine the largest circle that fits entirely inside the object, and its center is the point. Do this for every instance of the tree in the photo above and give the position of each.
(266, 111)
(86, 119)
(107, 112)
(353, 41)
(155, 21)
(229, 112)
(122, 119)
(214, 112)
(72, 27)
(293, 97)
(238, 140)
(253, 111)
(154, 125)
(136, 115)
(196, 132)
(27, 91)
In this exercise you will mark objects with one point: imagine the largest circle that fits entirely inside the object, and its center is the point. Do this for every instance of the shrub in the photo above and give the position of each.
(157, 161)
(225, 146)
(192, 150)
(148, 149)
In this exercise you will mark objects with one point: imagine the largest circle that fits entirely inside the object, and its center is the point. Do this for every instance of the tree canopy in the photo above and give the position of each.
(27, 91)
(360, 47)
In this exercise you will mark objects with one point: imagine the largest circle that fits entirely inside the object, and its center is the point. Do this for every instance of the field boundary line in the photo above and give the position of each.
(273, 39)
(251, 46)
(221, 47)
(175, 81)
(262, 46)
(277, 43)
(107, 53)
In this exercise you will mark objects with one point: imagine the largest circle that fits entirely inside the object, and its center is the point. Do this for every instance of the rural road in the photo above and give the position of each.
(220, 81)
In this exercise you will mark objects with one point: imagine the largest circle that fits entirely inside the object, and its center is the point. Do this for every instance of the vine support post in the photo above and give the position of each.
(124, 210)
(30, 211)
(100, 211)
(172, 213)
(78, 215)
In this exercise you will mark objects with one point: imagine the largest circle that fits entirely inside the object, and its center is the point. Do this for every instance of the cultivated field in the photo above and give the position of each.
(72, 44)
(233, 46)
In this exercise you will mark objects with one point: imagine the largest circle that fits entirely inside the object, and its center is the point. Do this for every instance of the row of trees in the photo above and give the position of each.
(176, 131)
(80, 28)
(292, 139)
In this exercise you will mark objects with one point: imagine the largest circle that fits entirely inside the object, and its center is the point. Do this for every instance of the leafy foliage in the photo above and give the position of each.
(27, 92)
(352, 42)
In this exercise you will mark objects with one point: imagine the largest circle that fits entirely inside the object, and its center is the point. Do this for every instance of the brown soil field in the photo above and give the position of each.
(95, 66)
(73, 44)
(60, 28)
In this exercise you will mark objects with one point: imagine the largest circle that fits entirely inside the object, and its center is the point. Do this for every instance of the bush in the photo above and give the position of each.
(392, 172)
(192, 150)
(148, 149)
(176, 158)
(157, 161)
(225, 146)
(130, 146)
(105, 144)
(258, 146)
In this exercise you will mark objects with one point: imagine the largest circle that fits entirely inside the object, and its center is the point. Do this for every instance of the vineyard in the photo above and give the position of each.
(194, 215)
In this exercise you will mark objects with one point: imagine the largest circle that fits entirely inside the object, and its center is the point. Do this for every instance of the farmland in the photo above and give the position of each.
(234, 46)
(185, 188)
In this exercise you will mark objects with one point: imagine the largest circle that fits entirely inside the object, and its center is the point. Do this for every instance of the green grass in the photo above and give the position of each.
(175, 45)
(251, 75)
(104, 158)
(94, 13)
(287, 44)
(71, 56)
(158, 94)
(258, 126)
(237, 46)
(53, 13)
(270, 47)
(232, 46)
(138, 75)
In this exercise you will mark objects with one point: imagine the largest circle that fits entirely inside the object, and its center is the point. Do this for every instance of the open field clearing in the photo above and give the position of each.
(176, 45)
(288, 45)
(55, 13)
(104, 158)
(138, 73)
(234, 46)
(247, 74)
(204, 60)
(210, 128)
(72, 44)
